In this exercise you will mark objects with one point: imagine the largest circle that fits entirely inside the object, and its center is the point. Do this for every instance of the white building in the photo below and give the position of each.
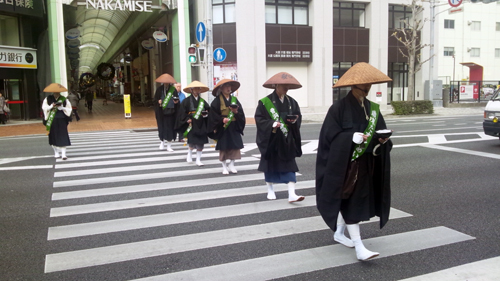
(470, 36)
(317, 41)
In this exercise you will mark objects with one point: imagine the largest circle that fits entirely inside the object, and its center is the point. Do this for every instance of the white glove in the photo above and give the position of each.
(357, 138)
(60, 107)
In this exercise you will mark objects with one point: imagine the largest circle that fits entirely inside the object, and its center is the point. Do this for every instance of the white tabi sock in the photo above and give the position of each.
(198, 158)
(189, 157)
(270, 191)
(63, 153)
(56, 152)
(292, 197)
(362, 253)
(339, 235)
(224, 168)
(169, 146)
(162, 146)
(231, 167)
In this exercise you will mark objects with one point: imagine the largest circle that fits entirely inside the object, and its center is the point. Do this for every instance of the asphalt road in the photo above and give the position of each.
(119, 209)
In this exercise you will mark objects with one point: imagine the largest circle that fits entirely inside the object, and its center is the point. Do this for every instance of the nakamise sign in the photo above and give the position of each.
(16, 57)
(121, 5)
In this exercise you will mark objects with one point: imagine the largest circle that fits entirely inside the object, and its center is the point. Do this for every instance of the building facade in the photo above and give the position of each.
(469, 46)
(316, 41)
(21, 26)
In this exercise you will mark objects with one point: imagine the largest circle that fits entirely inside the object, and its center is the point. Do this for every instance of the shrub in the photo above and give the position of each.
(412, 107)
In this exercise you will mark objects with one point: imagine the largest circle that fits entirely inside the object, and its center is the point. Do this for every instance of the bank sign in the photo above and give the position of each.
(12, 57)
(23, 7)
(120, 5)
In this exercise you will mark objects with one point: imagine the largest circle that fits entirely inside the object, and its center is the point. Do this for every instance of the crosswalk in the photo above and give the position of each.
(118, 199)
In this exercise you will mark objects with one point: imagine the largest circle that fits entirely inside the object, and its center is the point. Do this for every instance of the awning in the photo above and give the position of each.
(475, 71)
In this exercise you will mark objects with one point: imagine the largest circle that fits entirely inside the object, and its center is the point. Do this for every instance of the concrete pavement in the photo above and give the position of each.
(111, 117)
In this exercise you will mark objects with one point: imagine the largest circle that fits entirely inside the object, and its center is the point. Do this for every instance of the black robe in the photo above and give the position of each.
(335, 150)
(230, 137)
(165, 118)
(277, 151)
(188, 108)
(58, 135)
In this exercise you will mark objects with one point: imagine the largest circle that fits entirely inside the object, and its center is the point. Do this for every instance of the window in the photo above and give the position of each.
(348, 14)
(398, 14)
(449, 24)
(449, 51)
(475, 52)
(9, 31)
(476, 26)
(497, 26)
(223, 11)
(339, 69)
(497, 53)
(287, 12)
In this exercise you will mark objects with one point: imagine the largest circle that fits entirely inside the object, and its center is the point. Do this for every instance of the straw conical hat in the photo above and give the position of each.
(284, 79)
(362, 73)
(235, 85)
(55, 88)
(166, 79)
(195, 84)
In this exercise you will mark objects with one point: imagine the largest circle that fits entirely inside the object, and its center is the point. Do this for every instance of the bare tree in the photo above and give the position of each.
(408, 35)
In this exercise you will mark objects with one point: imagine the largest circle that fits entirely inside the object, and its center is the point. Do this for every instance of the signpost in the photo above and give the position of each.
(455, 3)
(219, 55)
(201, 31)
(160, 36)
(126, 106)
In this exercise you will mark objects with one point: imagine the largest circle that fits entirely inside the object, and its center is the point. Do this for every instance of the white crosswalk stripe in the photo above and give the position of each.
(313, 259)
(100, 193)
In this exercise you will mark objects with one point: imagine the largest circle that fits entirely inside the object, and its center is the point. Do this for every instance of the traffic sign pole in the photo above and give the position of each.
(210, 47)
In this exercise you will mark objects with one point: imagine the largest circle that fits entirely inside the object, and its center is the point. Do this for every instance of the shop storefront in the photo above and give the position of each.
(21, 23)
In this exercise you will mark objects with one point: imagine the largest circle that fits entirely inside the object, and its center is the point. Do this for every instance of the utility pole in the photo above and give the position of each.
(210, 47)
(182, 42)
(431, 51)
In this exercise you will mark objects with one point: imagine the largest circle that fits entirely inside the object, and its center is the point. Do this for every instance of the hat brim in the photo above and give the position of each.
(282, 78)
(290, 86)
(55, 88)
(195, 84)
(362, 73)
(235, 85)
(166, 79)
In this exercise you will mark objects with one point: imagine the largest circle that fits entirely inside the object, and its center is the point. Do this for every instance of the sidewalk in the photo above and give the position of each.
(103, 117)
(112, 117)
(388, 114)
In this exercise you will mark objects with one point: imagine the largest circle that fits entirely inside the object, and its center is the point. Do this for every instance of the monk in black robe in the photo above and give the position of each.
(165, 117)
(57, 111)
(193, 120)
(226, 122)
(278, 137)
(350, 191)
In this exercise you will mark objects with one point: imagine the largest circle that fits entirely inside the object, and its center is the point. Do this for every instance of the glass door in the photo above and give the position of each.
(12, 92)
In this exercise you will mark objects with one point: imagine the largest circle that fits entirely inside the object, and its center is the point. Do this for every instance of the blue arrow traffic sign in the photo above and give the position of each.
(219, 54)
(201, 32)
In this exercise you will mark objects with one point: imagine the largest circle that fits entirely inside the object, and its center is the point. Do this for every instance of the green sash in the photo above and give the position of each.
(273, 112)
(52, 113)
(196, 116)
(169, 96)
(359, 149)
(231, 114)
